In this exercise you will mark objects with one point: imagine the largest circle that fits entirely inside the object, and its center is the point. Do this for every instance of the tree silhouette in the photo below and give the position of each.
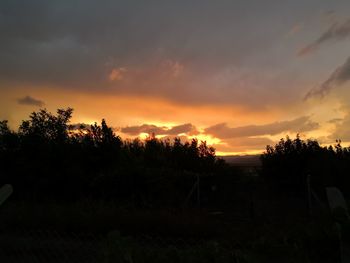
(49, 154)
(47, 127)
(289, 163)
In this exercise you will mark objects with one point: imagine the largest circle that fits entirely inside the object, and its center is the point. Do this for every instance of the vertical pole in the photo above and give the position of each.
(5, 192)
(308, 187)
(198, 192)
(252, 212)
(341, 250)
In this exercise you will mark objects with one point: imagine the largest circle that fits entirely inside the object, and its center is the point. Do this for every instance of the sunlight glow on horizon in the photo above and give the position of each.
(244, 153)
(225, 75)
(123, 111)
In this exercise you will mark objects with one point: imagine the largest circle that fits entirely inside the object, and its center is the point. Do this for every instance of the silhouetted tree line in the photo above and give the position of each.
(47, 158)
(290, 163)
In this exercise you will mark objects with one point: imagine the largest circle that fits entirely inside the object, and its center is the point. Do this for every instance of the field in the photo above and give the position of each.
(258, 228)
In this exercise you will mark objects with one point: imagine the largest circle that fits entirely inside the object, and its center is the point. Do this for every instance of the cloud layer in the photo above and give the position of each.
(337, 31)
(189, 52)
(222, 131)
(298, 125)
(337, 78)
(28, 100)
(195, 63)
(227, 139)
(187, 128)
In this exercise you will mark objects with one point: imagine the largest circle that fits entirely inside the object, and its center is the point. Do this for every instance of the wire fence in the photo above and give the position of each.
(49, 246)
(38, 246)
(52, 246)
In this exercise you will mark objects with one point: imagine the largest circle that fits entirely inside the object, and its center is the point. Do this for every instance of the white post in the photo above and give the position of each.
(5, 192)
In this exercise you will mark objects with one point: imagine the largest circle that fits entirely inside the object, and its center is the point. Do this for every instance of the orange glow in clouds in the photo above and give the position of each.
(121, 111)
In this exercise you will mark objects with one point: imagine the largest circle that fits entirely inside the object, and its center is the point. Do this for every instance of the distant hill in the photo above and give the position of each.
(243, 160)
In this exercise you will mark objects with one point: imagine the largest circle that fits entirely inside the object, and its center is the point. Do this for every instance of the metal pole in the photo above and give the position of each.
(308, 193)
(198, 192)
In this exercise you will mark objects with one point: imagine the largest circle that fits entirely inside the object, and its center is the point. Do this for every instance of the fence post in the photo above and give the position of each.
(308, 192)
(5, 192)
(198, 192)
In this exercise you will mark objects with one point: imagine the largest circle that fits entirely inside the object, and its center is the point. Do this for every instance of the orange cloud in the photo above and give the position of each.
(116, 74)
(171, 119)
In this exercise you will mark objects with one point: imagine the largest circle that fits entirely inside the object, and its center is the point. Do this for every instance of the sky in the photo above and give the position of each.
(240, 74)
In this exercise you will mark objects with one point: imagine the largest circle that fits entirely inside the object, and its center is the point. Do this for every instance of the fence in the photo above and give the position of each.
(49, 246)
(52, 246)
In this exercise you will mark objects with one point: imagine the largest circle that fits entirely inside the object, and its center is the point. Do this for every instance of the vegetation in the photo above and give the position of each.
(289, 163)
(86, 179)
(50, 159)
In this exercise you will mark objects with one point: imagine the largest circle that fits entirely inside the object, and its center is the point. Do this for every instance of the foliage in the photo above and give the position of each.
(290, 162)
(50, 158)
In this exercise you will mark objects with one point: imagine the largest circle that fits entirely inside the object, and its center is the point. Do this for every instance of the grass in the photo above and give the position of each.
(123, 233)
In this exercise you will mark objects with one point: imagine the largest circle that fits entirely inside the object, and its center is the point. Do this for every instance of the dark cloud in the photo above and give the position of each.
(301, 124)
(337, 31)
(184, 128)
(335, 120)
(186, 51)
(28, 100)
(145, 128)
(187, 128)
(337, 78)
(94, 37)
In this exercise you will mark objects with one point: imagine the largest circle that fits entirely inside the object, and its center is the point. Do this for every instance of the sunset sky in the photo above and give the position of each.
(239, 74)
